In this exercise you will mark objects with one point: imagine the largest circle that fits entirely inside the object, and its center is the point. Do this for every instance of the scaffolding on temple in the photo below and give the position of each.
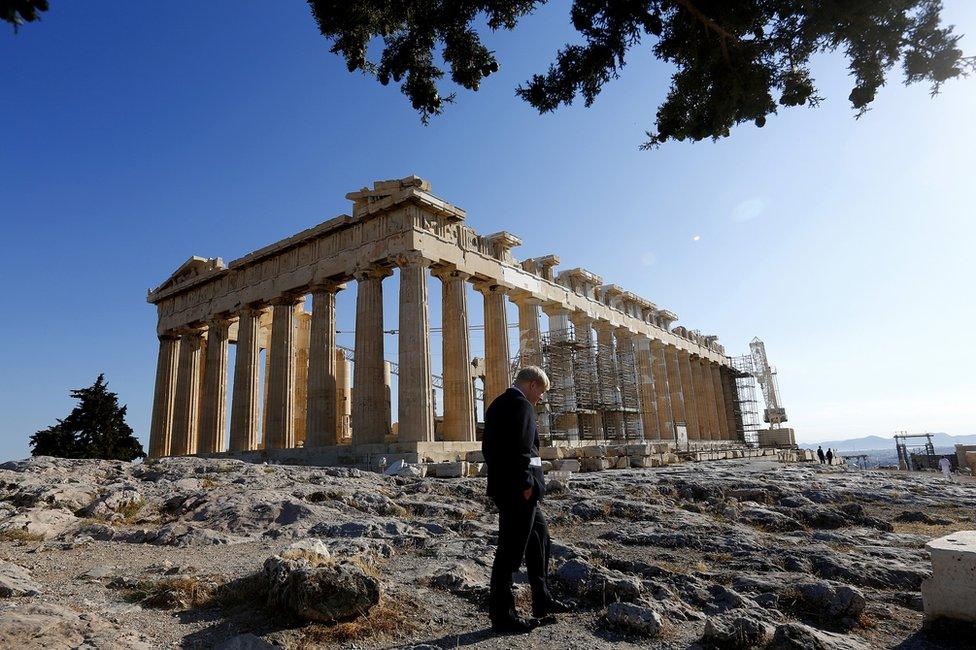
(594, 393)
(746, 406)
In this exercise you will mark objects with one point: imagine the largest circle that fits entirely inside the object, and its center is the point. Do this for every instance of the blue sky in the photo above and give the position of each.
(134, 138)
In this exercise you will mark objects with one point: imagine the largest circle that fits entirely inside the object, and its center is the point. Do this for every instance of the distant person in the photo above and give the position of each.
(830, 456)
(516, 485)
(820, 455)
(946, 466)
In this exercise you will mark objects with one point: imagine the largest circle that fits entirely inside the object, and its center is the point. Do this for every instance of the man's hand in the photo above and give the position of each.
(527, 493)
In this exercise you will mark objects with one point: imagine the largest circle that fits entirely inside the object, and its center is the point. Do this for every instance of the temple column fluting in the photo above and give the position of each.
(645, 384)
(415, 390)
(459, 413)
(690, 395)
(630, 399)
(610, 396)
(714, 433)
(370, 413)
(701, 398)
(675, 391)
(186, 413)
(280, 432)
(164, 396)
(321, 419)
(343, 397)
(213, 405)
(530, 332)
(244, 404)
(498, 373)
(714, 372)
(662, 390)
(729, 391)
(303, 340)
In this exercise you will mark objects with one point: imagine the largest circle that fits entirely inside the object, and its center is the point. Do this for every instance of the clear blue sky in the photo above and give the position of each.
(135, 135)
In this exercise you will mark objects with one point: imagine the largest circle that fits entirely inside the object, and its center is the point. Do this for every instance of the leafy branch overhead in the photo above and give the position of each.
(735, 61)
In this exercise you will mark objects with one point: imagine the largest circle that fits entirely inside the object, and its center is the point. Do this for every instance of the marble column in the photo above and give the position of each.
(714, 372)
(732, 414)
(610, 396)
(213, 405)
(459, 413)
(530, 332)
(701, 398)
(303, 340)
(648, 396)
(321, 418)
(626, 355)
(714, 433)
(370, 416)
(280, 432)
(244, 404)
(186, 411)
(343, 397)
(498, 372)
(662, 390)
(562, 395)
(415, 390)
(164, 396)
(588, 384)
(690, 396)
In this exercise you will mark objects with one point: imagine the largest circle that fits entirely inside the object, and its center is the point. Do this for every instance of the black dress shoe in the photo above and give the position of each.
(549, 607)
(512, 625)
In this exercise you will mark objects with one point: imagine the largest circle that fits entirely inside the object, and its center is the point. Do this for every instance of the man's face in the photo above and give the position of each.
(534, 390)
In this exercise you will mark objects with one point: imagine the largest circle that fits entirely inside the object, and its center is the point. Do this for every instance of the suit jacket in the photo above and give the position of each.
(510, 443)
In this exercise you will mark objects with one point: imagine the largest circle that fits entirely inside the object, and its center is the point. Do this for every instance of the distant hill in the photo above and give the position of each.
(885, 442)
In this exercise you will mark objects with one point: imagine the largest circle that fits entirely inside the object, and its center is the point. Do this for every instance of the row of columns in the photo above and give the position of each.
(189, 413)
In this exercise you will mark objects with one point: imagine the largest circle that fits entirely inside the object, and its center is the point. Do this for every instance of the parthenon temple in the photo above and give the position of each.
(620, 369)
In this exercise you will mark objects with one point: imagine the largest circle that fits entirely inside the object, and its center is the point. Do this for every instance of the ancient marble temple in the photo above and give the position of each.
(619, 368)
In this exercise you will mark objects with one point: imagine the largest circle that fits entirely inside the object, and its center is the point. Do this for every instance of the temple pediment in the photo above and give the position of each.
(190, 270)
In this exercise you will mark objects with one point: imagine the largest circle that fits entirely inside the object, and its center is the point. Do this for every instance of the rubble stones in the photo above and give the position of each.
(736, 631)
(832, 603)
(326, 593)
(16, 581)
(634, 619)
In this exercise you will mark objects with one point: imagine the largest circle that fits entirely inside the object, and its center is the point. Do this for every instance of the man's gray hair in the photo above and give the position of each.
(532, 373)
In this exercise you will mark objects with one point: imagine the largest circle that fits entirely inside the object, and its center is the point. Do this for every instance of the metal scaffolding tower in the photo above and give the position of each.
(745, 405)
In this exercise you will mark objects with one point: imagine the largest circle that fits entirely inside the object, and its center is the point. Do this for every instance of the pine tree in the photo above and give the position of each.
(95, 428)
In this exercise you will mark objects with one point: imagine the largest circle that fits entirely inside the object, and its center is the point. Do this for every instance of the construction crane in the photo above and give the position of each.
(774, 413)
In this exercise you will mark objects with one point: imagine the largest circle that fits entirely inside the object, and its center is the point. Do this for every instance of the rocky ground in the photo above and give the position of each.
(202, 553)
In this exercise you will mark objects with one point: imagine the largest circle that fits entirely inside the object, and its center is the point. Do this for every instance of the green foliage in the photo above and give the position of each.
(735, 61)
(18, 12)
(95, 428)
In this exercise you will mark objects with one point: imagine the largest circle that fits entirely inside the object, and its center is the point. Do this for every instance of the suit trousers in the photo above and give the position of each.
(522, 534)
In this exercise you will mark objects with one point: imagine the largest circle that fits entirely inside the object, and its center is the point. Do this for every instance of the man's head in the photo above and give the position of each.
(533, 383)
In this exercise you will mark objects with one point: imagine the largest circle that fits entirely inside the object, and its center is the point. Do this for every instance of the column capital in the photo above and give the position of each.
(169, 335)
(372, 271)
(624, 332)
(326, 285)
(602, 325)
(580, 318)
(522, 297)
(446, 271)
(412, 258)
(252, 309)
(487, 286)
(288, 299)
(219, 322)
(552, 308)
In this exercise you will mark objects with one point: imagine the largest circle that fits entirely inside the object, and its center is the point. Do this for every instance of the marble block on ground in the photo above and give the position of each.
(951, 591)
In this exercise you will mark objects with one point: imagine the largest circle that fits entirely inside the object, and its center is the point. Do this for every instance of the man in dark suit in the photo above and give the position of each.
(516, 484)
